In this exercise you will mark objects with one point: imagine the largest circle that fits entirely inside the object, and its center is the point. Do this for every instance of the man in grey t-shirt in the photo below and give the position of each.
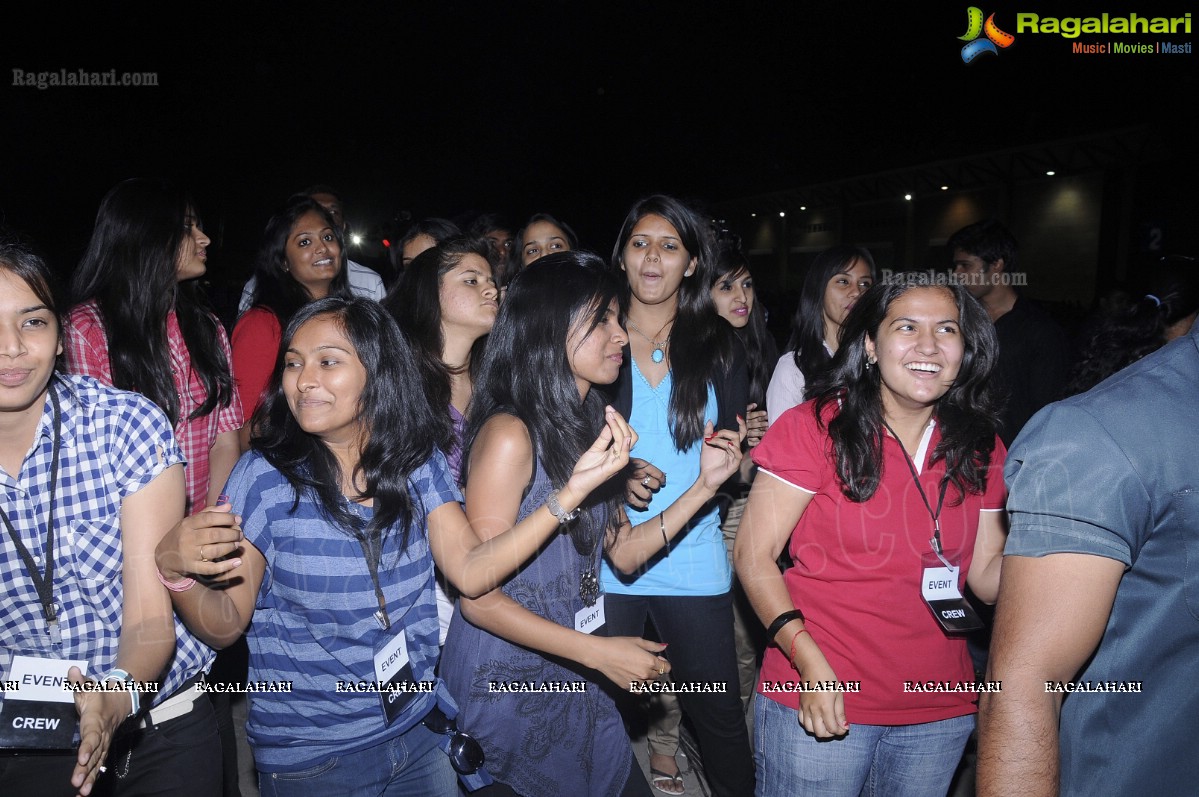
(1097, 629)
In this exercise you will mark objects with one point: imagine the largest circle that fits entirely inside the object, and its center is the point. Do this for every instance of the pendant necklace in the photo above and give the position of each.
(659, 353)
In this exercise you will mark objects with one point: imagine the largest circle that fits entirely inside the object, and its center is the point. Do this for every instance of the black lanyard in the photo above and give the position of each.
(373, 557)
(44, 584)
(936, 516)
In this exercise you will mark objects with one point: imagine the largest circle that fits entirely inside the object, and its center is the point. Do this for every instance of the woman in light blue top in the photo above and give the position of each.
(685, 377)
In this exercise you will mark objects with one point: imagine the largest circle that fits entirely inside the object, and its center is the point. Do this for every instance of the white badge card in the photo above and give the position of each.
(590, 618)
(939, 586)
(393, 673)
(39, 710)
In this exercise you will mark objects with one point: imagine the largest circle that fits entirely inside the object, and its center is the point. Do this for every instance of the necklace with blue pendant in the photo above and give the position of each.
(659, 352)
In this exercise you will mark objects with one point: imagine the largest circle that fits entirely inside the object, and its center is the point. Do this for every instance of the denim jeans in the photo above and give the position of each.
(699, 631)
(412, 764)
(871, 760)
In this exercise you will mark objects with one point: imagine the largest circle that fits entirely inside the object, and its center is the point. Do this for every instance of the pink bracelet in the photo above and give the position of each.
(183, 585)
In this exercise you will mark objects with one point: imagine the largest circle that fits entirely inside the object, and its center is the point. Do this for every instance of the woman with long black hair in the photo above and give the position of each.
(559, 335)
(445, 304)
(141, 322)
(888, 490)
(833, 282)
(302, 258)
(683, 378)
(346, 503)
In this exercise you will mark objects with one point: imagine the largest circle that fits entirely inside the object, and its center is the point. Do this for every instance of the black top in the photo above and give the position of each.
(1034, 363)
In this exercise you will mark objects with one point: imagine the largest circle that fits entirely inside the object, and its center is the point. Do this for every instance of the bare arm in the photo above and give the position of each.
(219, 610)
(1051, 615)
(476, 567)
(501, 464)
(147, 627)
(721, 456)
(221, 459)
(987, 561)
(773, 510)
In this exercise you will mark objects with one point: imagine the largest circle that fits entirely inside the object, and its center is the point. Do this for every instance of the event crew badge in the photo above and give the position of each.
(39, 710)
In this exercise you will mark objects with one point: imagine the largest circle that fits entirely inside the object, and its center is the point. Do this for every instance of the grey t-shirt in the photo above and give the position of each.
(1115, 473)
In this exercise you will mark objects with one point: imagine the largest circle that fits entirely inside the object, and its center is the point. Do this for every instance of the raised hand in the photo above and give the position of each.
(607, 455)
(756, 421)
(721, 454)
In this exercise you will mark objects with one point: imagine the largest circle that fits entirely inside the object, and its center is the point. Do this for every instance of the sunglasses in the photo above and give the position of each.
(466, 754)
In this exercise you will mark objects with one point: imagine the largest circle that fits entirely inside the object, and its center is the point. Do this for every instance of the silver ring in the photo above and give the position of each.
(645, 482)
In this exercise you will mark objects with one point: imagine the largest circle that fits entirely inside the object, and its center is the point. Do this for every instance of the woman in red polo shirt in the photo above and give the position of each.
(887, 489)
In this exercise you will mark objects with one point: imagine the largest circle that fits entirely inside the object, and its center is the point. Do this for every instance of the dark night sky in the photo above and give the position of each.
(572, 107)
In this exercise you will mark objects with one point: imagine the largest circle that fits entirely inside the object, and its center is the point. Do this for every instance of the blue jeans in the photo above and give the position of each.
(412, 764)
(871, 760)
(699, 630)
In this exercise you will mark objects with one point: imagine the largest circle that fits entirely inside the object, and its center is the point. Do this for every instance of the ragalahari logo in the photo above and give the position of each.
(995, 38)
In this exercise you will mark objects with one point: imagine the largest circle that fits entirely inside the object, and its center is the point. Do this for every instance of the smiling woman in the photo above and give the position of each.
(890, 478)
(339, 513)
(302, 258)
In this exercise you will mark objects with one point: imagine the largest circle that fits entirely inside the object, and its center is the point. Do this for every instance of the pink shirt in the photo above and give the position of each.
(86, 353)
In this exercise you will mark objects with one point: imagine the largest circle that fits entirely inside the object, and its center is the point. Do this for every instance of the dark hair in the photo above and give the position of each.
(1138, 328)
(760, 350)
(275, 288)
(966, 414)
(415, 304)
(394, 415)
(438, 229)
(129, 269)
(988, 240)
(807, 326)
(516, 256)
(18, 257)
(701, 344)
(487, 222)
(525, 370)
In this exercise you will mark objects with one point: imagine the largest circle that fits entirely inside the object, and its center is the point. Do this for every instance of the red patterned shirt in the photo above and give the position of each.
(87, 353)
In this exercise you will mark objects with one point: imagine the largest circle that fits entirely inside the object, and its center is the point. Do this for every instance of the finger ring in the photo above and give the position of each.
(645, 482)
(203, 558)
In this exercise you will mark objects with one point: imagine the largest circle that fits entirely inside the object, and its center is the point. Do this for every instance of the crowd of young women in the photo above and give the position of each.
(547, 471)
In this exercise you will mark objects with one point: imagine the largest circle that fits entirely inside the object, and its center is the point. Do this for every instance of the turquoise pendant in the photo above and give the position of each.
(658, 356)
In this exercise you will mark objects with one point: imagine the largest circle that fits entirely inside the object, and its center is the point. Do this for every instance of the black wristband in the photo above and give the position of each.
(780, 621)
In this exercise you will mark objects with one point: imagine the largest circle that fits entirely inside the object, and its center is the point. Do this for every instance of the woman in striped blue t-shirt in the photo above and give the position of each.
(346, 503)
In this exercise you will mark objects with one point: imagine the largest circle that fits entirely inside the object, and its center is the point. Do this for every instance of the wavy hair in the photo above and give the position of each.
(275, 288)
(415, 304)
(392, 410)
(129, 269)
(526, 371)
(807, 326)
(701, 344)
(967, 414)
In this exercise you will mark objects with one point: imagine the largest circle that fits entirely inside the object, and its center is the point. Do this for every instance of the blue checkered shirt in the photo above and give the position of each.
(113, 444)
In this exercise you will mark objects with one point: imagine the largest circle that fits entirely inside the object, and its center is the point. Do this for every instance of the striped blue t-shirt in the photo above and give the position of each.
(314, 621)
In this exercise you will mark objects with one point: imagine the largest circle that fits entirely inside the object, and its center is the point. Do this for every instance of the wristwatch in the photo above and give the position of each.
(555, 508)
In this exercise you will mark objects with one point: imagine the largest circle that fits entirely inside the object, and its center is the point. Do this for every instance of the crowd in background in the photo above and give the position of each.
(484, 515)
